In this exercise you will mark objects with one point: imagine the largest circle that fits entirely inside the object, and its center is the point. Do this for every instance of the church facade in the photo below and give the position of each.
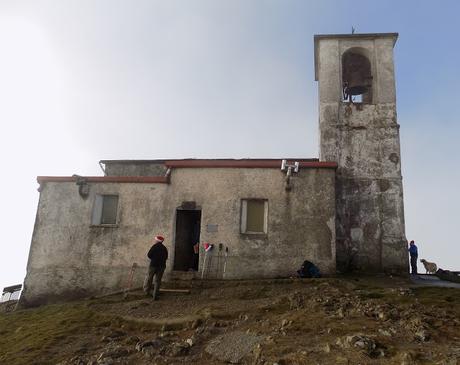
(263, 217)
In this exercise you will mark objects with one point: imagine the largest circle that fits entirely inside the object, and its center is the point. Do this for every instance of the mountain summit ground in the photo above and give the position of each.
(344, 320)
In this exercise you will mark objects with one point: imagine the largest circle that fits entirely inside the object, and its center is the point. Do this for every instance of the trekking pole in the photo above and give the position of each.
(207, 247)
(204, 264)
(225, 262)
(130, 279)
(218, 260)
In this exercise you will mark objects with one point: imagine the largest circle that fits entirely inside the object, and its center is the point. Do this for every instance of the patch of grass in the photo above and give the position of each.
(436, 295)
(251, 294)
(371, 295)
(29, 336)
(439, 298)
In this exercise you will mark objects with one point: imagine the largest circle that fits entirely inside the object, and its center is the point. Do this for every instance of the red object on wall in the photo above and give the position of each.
(208, 246)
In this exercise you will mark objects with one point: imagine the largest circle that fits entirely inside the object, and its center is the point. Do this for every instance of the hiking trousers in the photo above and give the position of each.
(413, 264)
(154, 275)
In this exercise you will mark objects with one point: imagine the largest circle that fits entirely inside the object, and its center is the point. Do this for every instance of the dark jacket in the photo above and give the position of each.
(413, 251)
(158, 254)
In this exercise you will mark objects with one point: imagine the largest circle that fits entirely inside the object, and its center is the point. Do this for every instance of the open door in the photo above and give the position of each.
(188, 226)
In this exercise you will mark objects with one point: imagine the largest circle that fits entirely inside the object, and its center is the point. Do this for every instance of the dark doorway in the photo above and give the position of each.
(188, 225)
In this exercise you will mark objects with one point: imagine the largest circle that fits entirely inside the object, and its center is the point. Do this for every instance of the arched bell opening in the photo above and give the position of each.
(356, 77)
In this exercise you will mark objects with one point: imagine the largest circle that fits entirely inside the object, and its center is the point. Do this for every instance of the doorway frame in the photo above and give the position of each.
(184, 207)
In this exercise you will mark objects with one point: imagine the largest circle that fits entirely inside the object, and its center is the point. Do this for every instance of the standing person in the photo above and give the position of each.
(413, 252)
(158, 254)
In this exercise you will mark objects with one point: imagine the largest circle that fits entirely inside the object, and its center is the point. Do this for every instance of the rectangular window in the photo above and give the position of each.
(105, 210)
(254, 216)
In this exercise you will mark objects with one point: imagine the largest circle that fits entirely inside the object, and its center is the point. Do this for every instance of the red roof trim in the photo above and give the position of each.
(106, 179)
(244, 164)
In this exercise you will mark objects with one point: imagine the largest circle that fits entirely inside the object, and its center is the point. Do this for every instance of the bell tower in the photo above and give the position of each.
(359, 131)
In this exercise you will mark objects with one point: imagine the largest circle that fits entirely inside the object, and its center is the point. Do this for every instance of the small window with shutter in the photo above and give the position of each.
(254, 216)
(105, 210)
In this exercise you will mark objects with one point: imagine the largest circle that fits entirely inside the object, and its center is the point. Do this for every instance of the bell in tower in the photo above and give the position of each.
(356, 76)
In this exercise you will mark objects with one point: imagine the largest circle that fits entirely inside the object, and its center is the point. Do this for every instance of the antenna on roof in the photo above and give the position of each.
(286, 165)
(290, 167)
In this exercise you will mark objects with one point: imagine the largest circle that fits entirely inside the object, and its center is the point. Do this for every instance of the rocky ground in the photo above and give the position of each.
(349, 320)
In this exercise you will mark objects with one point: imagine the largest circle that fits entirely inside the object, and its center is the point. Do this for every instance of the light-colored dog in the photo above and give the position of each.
(430, 267)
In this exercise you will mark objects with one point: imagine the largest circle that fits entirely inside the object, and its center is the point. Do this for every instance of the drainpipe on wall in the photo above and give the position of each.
(168, 174)
(83, 187)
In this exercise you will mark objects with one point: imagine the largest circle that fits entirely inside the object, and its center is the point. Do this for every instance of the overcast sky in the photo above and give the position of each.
(83, 80)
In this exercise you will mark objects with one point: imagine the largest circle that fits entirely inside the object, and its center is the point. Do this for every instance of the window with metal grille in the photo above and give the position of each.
(105, 210)
(254, 216)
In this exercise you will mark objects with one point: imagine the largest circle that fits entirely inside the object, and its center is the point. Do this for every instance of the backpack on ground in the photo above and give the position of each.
(309, 270)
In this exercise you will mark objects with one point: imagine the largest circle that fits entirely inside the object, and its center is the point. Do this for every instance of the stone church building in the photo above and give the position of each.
(264, 217)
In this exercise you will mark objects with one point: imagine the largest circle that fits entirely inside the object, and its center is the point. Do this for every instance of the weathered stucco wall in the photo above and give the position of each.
(300, 222)
(364, 140)
(70, 258)
(134, 168)
(369, 185)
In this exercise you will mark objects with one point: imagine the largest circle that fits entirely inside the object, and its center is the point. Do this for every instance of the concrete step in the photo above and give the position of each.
(183, 275)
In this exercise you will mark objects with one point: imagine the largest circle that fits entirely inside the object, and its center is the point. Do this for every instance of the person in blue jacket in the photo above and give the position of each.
(413, 252)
